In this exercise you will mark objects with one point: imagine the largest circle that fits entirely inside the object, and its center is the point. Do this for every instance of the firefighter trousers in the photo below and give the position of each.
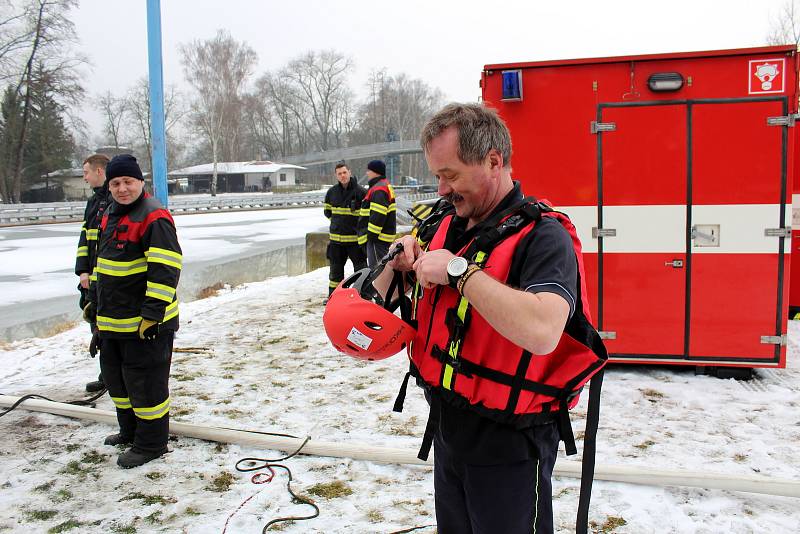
(338, 253)
(512, 498)
(136, 373)
(376, 250)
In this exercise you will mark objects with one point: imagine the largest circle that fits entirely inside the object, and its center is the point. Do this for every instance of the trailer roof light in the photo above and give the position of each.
(512, 84)
(665, 81)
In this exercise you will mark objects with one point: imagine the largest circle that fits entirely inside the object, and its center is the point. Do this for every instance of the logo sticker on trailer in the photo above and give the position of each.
(766, 76)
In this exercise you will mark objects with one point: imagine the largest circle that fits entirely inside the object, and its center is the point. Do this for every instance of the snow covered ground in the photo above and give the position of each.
(268, 366)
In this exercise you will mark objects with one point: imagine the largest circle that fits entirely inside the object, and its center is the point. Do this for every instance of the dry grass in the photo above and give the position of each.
(210, 291)
(59, 328)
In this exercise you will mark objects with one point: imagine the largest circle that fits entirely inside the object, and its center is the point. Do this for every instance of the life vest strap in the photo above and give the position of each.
(430, 428)
(401, 395)
(589, 450)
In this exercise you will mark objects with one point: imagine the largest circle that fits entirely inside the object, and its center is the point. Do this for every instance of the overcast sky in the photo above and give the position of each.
(444, 42)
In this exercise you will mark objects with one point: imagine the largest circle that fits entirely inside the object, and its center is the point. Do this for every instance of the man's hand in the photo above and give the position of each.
(405, 260)
(148, 329)
(431, 268)
(90, 313)
(94, 343)
(84, 277)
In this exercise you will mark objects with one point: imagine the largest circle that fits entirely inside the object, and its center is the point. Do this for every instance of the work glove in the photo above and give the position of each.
(90, 313)
(94, 343)
(148, 329)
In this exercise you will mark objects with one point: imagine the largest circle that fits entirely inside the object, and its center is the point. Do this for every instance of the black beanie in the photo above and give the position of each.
(123, 165)
(375, 165)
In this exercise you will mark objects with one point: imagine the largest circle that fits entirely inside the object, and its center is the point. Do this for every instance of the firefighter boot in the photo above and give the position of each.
(135, 457)
(118, 439)
(96, 386)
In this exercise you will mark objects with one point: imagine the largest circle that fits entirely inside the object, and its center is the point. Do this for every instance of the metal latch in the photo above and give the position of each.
(774, 340)
(607, 335)
(603, 232)
(778, 232)
(596, 127)
(677, 264)
(784, 120)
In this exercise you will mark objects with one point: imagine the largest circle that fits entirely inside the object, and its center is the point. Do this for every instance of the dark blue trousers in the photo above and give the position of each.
(509, 498)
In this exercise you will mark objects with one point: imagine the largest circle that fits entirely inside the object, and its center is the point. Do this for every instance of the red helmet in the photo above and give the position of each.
(358, 326)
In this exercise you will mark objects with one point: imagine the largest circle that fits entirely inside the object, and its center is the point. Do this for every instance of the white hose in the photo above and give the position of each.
(356, 451)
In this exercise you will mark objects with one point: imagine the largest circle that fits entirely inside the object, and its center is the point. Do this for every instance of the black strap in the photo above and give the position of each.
(589, 450)
(565, 428)
(516, 384)
(401, 395)
(430, 428)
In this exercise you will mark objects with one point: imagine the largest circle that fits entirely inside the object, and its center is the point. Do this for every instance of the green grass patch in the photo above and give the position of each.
(72, 447)
(124, 529)
(47, 486)
(610, 525)
(65, 526)
(645, 444)
(75, 468)
(155, 475)
(62, 495)
(275, 340)
(148, 499)
(40, 515)
(154, 518)
(331, 490)
(93, 457)
(221, 483)
(374, 516)
(192, 511)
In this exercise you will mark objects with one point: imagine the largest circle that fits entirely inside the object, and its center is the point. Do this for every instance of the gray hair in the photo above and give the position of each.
(480, 129)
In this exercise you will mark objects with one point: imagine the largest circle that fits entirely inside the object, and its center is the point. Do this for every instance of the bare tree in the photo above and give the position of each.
(218, 70)
(138, 115)
(15, 37)
(785, 28)
(49, 62)
(322, 80)
(115, 111)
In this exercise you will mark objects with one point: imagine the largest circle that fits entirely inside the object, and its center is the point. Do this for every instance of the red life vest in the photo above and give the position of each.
(464, 361)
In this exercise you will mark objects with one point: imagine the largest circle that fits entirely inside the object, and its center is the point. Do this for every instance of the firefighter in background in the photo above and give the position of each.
(476, 327)
(377, 226)
(135, 307)
(94, 174)
(342, 207)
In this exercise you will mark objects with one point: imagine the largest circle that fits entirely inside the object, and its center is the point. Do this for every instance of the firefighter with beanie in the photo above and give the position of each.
(94, 173)
(135, 308)
(342, 208)
(377, 226)
(502, 344)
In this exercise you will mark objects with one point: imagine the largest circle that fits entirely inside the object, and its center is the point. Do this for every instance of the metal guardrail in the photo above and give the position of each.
(56, 212)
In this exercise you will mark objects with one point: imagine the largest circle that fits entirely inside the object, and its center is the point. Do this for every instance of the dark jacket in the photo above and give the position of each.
(378, 221)
(87, 243)
(342, 207)
(138, 266)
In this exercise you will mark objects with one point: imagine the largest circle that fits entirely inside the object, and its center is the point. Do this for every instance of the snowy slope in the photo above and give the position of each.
(261, 361)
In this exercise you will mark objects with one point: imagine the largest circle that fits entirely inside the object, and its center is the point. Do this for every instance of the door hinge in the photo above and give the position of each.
(597, 127)
(778, 232)
(784, 120)
(607, 335)
(603, 232)
(774, 340)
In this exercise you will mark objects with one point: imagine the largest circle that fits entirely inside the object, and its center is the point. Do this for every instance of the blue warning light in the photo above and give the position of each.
(512, 84)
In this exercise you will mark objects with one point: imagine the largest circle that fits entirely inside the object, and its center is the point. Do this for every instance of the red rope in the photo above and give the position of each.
(258, 478)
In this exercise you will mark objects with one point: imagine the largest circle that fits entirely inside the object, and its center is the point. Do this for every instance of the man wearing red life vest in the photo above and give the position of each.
(491, 475)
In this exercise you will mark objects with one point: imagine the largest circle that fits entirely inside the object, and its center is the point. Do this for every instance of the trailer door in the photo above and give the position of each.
(643, 202)
(739, 277)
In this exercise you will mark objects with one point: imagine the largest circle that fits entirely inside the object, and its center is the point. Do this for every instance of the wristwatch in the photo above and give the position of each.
(456, 269)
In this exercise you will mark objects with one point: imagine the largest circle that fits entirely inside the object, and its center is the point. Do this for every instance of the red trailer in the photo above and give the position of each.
(678, 171)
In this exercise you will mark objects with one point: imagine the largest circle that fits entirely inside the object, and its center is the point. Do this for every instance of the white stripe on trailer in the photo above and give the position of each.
(662, 228)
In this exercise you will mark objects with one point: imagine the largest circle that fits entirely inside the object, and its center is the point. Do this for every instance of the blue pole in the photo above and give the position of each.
(158, 140)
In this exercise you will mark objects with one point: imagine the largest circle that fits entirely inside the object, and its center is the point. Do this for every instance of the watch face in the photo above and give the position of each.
(457, 266)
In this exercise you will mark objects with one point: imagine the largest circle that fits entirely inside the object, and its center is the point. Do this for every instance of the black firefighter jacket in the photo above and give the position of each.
(87, 243)
(342, 207)
(138, 266)
(378, 220)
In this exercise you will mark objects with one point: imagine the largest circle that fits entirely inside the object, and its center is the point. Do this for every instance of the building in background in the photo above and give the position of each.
(234, 177)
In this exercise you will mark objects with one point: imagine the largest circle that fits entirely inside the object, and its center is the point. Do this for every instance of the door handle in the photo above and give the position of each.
(675, 264)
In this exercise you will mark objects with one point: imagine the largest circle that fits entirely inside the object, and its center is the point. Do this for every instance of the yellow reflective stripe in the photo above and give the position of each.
(327, 206)
(162, 255)
(373, 228)
(109, 324)
(479, 257)
(364, 212)
(447, 377)
(383, 210)
(121, 268)
(160, 291)
(389, 238)
(93, 277)
(170, 311)
(83, 252)
(153, 412)
(92, 234)
(345, 211)
(123, 403)
(362, 239)
(333, 283)
(339, 238)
